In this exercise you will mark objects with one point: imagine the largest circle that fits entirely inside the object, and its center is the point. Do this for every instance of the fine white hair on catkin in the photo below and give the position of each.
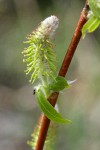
(49, 25)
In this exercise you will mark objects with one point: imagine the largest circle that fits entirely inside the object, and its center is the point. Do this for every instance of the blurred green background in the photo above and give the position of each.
(80, 103)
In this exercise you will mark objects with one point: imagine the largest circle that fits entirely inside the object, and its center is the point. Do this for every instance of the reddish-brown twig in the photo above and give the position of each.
(64, 68)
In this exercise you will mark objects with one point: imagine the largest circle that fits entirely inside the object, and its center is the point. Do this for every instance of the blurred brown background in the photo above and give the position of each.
(80, 103)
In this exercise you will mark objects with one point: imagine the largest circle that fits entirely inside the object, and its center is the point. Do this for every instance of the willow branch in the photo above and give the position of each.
(64, 68)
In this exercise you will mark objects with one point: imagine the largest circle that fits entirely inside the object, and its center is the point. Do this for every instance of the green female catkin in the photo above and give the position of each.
(39, 55)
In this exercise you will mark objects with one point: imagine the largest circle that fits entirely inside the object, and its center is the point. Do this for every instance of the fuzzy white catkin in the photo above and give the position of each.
(48, 26)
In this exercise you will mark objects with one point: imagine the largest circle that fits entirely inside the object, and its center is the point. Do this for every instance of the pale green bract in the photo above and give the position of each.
(94, 19)
(58, 84)
(48, 109)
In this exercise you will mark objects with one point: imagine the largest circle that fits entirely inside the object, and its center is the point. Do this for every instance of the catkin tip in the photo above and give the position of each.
(49, 25)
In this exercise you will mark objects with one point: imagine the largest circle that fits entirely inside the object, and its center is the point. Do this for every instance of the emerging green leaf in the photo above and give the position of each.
(95, 7)
(48, 109)
(59, 84)
(91, 25)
